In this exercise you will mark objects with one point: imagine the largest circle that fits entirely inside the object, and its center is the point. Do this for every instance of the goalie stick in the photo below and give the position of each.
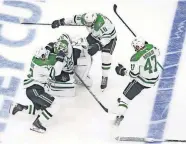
(94, 96)
(102, 106)
(115, 11)
(148, 140)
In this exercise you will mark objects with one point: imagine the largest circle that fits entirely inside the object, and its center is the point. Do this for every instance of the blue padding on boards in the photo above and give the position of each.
(168, 77)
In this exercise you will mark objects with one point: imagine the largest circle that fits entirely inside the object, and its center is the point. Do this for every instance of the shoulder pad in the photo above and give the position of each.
(99, 22)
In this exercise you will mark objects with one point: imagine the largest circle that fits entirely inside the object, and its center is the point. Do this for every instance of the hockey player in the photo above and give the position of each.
(102, 37)
(144, 73)
(59, 65)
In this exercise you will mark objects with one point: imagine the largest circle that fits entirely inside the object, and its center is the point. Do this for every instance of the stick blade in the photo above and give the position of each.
(115, 7)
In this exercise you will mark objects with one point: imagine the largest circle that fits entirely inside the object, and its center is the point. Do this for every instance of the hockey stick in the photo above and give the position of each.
(94, 96)
(27, 23)
(102, 106)
(148, 140)
(48, 24)
(115, 11)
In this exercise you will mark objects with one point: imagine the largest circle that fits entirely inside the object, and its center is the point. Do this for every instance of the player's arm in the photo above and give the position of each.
(50, 47)
(75, 20)
(59, 65)
(157, 51)
(134, 70)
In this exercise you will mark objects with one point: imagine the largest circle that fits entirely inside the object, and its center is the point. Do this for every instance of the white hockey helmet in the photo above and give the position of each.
(138, 43)
(42, 53)
(62, 43)
(89, 19)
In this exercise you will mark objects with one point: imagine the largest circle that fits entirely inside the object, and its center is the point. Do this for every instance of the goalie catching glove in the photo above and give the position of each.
(120, 70)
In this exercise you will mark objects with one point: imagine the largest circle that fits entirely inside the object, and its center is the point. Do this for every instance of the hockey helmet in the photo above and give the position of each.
(89, 19)
(138, 43)
(62, 43)
(42, 53)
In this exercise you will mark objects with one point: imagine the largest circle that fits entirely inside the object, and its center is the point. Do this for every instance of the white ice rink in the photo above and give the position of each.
(81, 120)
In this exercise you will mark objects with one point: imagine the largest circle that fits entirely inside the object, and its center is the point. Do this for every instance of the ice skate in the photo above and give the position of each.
(104, 83)
(118, 120)
(16, 108)
(37, 126)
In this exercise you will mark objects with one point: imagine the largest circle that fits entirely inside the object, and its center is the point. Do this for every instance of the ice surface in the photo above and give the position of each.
(81, 120)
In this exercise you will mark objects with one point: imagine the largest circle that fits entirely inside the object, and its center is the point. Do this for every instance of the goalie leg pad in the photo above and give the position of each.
(82, 69)
(37, 95)
(62, 89)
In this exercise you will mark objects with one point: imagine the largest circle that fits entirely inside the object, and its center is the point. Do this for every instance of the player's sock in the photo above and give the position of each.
(106, 65)
(123, 103)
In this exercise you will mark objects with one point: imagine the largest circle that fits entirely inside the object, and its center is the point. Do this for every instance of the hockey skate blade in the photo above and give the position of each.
(35, 129)
(11, 108)
(102, 90)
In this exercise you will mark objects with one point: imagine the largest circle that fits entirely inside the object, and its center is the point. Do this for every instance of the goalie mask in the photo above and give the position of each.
(42, 53)
(138, 43)
(62, 44)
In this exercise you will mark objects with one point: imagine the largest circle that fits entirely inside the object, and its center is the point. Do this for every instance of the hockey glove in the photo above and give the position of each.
(57, 23)
(120, 70)
(50, 47)
(60, 56)
(92, 49)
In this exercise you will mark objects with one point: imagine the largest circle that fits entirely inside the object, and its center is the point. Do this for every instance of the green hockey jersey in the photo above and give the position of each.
(144, 66)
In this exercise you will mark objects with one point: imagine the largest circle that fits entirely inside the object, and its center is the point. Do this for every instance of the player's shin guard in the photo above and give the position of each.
(123, 103)
(106, 65)
(40, 123)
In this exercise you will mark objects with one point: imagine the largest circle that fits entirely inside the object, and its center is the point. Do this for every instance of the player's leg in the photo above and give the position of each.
(91, 40)
(107, 61)
(40, 123)
(38, 97)
(63, 88)
(82, 69)
(130, 92)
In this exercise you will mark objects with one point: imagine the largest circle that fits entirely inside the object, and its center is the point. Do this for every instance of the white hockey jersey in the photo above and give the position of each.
(145, 67)
(103, 29)
(39, 71)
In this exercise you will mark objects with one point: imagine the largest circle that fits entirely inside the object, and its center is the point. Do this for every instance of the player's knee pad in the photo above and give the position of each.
(62, 89)
(91, 40)
(109, 48)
